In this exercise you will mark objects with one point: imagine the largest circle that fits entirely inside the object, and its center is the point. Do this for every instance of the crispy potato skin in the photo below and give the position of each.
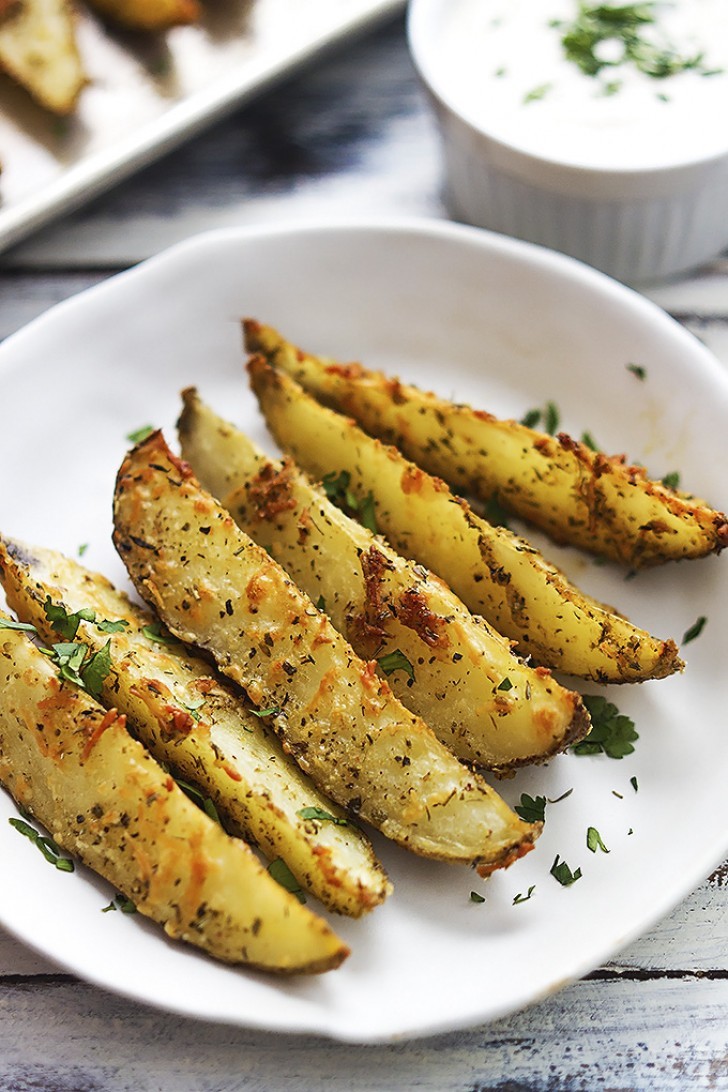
(494, 572)
(575, 495)
(342, 723)
(484, 703)
(38, 49)
(201, 731)
(149, 15)
(103, 798)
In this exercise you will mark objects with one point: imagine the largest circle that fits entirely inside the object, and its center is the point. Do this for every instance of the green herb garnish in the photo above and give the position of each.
(561, 872)
(24, 627)
(157, 633)
(396, 661)
(66, 624)
(120, 902)
(475, 897)
(139, 434)
(531, 808)
(537, 93)
(282, 874)
(633, 783)
(672, 480)
(595, 24)
(197, 796)
(505, 685)
(695, 630)
(637, 370)
(45, 844)
(336, 487)
(322, 816)
(612, 732)
(524, 898)
(594, 840)
(271, 711)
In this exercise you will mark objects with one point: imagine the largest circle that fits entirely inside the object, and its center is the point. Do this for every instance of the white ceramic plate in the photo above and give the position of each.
(146, 93)
(482, 318)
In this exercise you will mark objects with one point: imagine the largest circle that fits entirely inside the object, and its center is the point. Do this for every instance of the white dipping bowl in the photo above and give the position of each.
(634, 182)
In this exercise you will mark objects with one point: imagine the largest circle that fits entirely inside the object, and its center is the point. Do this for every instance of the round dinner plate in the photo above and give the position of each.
(479, 318)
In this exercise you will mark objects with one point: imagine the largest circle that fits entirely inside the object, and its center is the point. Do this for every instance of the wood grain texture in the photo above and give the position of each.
(351, 137)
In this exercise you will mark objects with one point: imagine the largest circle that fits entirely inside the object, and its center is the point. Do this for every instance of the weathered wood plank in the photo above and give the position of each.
(656, 1035)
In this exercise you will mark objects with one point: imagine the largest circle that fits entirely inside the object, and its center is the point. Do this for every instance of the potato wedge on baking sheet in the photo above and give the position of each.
(494, 572)
(197, 727)
(575, 495)
(214, 587)
(150, 15)
(38, 50)
(443, 663)
(74, 767)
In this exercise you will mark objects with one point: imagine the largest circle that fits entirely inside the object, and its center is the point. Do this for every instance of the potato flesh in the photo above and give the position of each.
(484, 703)
(38, 49)
(202, 731)
(341, 722)
(572, 493)
(494, 572)
(104, 799)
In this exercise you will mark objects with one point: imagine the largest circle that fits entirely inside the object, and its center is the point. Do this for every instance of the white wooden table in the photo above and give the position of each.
(350, 138)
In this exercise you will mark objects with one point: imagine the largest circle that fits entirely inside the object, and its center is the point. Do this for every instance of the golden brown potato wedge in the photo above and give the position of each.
(38, 49)
(73, 765)
(198, 728)
(214, 587)
(494, 572)
(574, 494)
(454, 670)
(148, 14)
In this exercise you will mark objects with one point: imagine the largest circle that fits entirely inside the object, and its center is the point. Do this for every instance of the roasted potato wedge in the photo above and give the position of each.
(148, 14)
(38, 50)
(214, 587)
(73, 765)
(196, 726)
(458, 674)
(556, 483)
(494, 572)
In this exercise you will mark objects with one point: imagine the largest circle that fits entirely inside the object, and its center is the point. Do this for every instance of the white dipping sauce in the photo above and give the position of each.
(502, 66)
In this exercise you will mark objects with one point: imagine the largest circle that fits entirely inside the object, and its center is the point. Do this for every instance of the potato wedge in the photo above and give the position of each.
(459, 675)
(573, 494)
(73, 765)
(494, 572)
(148, 14)
(196, 726)
(214, 587)
(38, 50)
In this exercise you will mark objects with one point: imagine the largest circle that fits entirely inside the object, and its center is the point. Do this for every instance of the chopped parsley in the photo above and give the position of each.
(637, 370)
(505, 685)
(337, 489)
(595, 25)
(612, 733)
(633, 783)
(475, 897)
(197, 796)
(82, 549)
(594, 840)
(588, 440)
(322, 816)
(24, 627)
(672, 480)
(695, 630)
(157, 633)
(520, 897)
(282, 874)
(77, 664)
(537, 93)
(45, 844)
(271, 711)
(494, 512)
(531, 808)
(396, 661)
(139, 434)
(563, 874)
(66, 624)
(548, 417)
(120, 902)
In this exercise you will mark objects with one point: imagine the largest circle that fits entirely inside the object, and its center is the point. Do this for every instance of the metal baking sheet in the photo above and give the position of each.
(146, 93)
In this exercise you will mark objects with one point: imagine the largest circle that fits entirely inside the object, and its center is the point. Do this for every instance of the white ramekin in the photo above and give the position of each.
(635, 224)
